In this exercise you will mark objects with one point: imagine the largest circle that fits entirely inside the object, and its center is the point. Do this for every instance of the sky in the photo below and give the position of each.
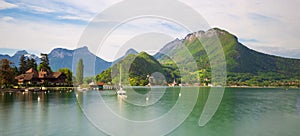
(269, 26)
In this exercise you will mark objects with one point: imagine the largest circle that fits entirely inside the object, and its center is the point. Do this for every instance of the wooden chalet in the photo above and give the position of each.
(31, 76)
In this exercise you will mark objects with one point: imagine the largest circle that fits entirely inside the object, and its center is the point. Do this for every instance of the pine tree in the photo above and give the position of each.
(44, 65)
(79, 72)
(7, 73)
(16, 71)
(22, 65)
(31, 63)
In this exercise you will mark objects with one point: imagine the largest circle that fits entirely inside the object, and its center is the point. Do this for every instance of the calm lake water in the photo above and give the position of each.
(242, 112)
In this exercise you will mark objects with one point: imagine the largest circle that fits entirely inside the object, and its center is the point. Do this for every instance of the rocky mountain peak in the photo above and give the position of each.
(20, 53)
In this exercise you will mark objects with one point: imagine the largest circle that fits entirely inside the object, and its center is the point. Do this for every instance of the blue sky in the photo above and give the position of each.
(270, 26)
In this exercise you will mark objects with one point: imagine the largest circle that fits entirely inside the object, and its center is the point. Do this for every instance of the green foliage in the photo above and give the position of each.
(261, 79)
(244, 66)
(68, 74)
(134, 68)
(7, 73)
(26, 64)
(79, 72)
(31, 63)
(105, 76)
(22, 65)
(88, 80)
(44, 65)
(143, 65)
(16, 71)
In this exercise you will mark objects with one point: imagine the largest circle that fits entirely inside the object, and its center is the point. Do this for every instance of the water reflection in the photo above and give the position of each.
(120, 103)
(242, 112)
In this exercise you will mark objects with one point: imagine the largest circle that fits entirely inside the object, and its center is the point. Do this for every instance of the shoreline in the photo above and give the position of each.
(36, 89)
(41, 89)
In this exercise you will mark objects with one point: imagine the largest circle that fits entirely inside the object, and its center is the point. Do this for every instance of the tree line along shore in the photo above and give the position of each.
(28, 75)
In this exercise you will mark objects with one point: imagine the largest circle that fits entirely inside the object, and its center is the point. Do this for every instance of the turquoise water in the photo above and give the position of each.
(242, 112)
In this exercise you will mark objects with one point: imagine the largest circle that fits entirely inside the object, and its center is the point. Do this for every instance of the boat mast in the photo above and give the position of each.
(120, 76)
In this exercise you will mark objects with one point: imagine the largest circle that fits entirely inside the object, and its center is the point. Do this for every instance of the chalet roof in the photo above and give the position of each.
(27, 76)
(100, 83)
(56, 74)
(31, 70)
(31, 74)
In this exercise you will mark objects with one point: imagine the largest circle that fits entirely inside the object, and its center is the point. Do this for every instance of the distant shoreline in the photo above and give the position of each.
(37, 89)
(258, 87)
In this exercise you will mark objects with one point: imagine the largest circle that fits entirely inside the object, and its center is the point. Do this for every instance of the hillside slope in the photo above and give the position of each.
(135, 69)
(239, 58)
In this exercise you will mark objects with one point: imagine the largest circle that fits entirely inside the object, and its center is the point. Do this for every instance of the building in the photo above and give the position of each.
(32, 77)
(100, 85)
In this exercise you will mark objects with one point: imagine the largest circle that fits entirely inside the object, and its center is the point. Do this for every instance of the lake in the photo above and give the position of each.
(242, 112)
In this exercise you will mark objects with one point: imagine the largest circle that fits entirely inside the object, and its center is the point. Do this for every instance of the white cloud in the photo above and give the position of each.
(40, 9)
(42, 37)
(83, 10)
(6, 5)
(90, 6)
(117, 40)
(273, 23)
(69, 17)
(270, 23)
(68, 9)
(7, 18)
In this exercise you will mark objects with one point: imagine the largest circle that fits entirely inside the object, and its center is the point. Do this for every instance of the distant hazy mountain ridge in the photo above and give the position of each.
(16, 57)
(64, 58)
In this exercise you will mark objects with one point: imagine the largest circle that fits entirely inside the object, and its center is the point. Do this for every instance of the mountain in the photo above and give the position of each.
(16, 57)
(135, 69)
(64, 58)
(244, 65)
(131, 51)
(128, 52)
(240, 60)
(168, 48)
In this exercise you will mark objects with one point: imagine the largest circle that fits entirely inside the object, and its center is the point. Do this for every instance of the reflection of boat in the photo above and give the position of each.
(120, 90)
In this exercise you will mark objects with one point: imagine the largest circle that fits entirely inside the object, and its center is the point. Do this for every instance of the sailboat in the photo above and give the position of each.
(120, 90)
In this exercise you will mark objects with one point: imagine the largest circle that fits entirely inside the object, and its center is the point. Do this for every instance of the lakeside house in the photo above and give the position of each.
(32, 77)
(100, 85)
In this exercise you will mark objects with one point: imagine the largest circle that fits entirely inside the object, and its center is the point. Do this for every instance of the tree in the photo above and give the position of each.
(44, 65)
(26, 64)
(68, 73)
(16, 71)
(79, 72)
(105, 76)
(7, 73)
(31, 63)
(22, 65)
(88, 80)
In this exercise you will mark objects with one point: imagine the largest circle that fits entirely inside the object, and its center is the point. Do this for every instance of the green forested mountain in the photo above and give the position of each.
(244, 66)
(134, 69)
